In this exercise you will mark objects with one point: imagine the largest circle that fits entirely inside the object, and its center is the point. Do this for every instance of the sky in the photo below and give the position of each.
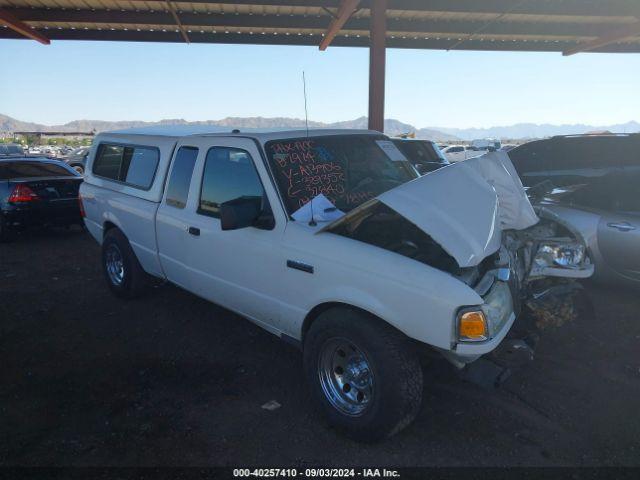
(145, 81)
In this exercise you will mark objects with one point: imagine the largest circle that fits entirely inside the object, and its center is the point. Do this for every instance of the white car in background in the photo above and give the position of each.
(486, 144)
(457, 153)
(330, 240)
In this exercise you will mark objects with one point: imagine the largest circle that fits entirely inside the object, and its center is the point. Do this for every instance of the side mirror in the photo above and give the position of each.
(245, 212)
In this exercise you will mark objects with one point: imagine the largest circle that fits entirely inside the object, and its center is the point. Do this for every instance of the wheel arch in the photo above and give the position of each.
(108, 225)
(110, 221)
(319, 309)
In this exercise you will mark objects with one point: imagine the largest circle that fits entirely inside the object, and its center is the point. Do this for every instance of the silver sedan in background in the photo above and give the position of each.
(592, 184)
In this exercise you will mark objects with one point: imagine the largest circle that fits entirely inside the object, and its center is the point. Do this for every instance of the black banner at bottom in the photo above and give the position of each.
(427, 473)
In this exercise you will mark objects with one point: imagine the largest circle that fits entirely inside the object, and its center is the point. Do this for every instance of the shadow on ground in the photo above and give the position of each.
(170, 379)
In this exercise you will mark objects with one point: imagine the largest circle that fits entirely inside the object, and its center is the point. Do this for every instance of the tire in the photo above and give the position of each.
(392, 390)
(78, 168)
(121, 268)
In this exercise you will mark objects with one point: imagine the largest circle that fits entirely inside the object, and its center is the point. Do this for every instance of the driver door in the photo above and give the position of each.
(237, 269)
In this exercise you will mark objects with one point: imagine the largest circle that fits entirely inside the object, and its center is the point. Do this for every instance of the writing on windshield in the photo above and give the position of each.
(347, 169)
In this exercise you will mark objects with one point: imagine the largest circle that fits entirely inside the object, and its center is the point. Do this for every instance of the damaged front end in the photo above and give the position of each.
(473, 220)
(551, 256)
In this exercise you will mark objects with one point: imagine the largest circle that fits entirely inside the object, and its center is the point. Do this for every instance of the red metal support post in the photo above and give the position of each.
(377, 56)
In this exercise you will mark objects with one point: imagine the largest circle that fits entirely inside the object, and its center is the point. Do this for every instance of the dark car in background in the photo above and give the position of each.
(423, 154)
(77, 159)
(10, 150)
(37, 192)
(564, 159)
(592, 184)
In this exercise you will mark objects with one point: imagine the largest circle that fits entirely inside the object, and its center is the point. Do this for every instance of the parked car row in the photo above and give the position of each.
(457, 153)
(75, 157)
(50, 151)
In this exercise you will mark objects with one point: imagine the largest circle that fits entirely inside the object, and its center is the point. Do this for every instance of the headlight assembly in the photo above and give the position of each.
(566, 255)
(498, 307)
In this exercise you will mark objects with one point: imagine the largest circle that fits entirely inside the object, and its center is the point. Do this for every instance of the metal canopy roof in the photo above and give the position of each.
(565, 26)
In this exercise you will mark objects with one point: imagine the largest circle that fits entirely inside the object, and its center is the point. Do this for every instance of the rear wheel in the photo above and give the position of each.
(364, 375)
(121, 268)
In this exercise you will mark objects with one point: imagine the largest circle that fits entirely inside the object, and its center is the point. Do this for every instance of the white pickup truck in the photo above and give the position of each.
(332, 241)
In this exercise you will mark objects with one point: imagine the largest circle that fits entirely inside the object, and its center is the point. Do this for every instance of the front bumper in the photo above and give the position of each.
(469, 352)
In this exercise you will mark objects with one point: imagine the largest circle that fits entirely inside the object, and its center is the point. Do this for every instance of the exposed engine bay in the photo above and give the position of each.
(538, 262)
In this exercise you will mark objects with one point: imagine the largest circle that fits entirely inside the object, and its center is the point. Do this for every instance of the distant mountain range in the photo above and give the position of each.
(391, 127)
(532, 130)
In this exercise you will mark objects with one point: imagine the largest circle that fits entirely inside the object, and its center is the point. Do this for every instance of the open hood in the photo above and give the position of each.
(464, 207)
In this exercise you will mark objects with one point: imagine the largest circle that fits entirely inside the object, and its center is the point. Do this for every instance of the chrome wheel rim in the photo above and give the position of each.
(346, 376)
(114, 264)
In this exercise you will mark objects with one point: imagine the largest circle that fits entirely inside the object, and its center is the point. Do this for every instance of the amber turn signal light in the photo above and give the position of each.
(472, 326)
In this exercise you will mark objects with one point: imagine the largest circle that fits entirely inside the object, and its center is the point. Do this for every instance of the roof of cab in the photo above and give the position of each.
(263, 135)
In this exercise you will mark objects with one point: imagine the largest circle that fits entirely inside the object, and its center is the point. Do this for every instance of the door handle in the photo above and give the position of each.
(623, 227)
(194, 231)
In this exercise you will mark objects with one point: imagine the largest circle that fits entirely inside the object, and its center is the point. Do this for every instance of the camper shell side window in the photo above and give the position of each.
(133, 165)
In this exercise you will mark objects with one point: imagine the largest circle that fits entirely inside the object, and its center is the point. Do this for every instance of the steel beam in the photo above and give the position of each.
(22, 28)
(598, 8)
(377, 60)
(176, 19)
(617, 35)
(187, 18)
(347, 7)
(312, 40)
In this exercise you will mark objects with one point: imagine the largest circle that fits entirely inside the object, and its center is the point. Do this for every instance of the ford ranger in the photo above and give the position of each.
(332, 241)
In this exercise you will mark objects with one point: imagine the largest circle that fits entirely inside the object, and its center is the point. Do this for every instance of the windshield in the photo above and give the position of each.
(347, 169)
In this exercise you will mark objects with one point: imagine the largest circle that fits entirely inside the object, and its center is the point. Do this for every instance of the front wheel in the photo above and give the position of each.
(363, 374)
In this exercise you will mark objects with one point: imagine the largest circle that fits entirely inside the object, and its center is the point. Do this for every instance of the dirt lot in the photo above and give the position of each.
(170, 379)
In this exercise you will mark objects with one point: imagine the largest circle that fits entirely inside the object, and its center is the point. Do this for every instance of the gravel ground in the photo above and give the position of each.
(91, 380)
